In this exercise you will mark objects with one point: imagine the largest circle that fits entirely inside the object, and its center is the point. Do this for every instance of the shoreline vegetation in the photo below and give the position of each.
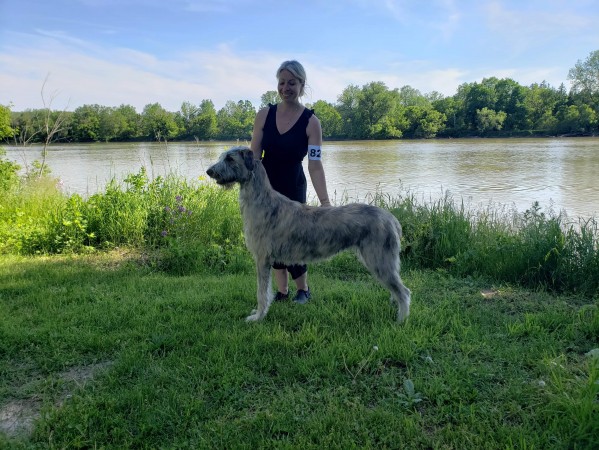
(121, 326)
(192, 224)
(97, 123)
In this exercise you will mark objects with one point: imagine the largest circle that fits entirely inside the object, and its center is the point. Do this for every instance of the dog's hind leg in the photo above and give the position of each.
(385, 268)
(264, 293)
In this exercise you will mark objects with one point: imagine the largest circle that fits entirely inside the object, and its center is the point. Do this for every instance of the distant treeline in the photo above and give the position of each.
(493, 107)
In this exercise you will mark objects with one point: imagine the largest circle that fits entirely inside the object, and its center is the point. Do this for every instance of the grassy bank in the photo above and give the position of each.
(105, 351)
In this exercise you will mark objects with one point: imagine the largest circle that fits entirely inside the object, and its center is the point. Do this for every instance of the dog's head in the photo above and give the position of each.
(234, 166)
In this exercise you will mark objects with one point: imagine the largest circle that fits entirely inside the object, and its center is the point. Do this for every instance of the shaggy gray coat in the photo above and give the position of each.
(288, 232)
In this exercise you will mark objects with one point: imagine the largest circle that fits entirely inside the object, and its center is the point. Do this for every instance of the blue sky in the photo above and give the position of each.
(135, 52)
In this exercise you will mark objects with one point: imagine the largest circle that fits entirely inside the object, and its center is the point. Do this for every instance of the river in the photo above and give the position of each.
(561, 174)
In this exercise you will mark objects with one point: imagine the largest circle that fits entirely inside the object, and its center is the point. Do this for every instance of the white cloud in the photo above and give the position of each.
(85, 73)
(111, 78)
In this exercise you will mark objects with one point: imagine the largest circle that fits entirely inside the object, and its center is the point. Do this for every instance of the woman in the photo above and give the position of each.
(283, 135)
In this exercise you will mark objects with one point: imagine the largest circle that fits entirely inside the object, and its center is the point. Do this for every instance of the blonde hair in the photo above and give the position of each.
(297, 70)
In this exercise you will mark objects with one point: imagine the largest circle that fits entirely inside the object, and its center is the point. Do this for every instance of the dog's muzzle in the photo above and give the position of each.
(214, 175)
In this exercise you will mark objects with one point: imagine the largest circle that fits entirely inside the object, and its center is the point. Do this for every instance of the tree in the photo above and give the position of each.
(477, 96)
(576, 119)
(547, 123)
(540, 103)
(409, 96)
(269, 97)
(424, 122)
(347, 105)
(115, 123)
(451, 108)
(204, 126)
(489, 120)
(86, 123)
(53, 126)
(103, 123)
(511, 100)
(330, 119)
(27, 126)
(375, 103)
(588, 118)
(6, 131)
(8, 169)
(585, 75)
(158, 123)
(185, 118)
(434, 96)
(129, 122)
(236, 120)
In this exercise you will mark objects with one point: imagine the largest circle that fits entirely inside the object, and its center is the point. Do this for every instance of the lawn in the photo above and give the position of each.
(105, 351)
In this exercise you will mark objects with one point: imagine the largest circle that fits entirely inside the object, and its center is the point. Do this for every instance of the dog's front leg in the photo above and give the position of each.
(264, 292)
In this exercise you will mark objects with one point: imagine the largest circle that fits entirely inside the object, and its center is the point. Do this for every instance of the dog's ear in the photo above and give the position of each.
(248, 159)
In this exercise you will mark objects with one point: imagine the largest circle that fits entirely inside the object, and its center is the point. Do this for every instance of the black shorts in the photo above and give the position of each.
(296, 270)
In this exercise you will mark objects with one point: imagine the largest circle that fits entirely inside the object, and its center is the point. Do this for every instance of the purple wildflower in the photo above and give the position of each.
(164, 233)
(178, 198)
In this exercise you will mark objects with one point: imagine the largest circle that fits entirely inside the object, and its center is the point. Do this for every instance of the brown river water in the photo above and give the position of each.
(561, 174)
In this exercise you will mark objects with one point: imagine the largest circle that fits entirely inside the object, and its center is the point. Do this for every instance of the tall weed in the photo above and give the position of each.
(201, 229)
(9, 177)
(435, 234)
(25, 213)
(534, 249)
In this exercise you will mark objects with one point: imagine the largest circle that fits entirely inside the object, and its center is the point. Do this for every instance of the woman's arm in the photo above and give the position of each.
(319, 181)
(258, 132)
(315, 168)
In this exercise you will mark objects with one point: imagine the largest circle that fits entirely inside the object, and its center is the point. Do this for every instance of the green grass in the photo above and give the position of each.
(106, 351)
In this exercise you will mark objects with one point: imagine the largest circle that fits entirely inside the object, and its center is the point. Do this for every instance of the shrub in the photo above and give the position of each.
(201, 230)
(25, 212)
(9, 177)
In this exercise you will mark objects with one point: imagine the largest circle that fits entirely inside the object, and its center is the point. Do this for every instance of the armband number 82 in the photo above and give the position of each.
(314, 152)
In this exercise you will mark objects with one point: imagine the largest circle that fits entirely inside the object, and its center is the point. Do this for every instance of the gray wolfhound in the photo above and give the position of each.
(288, 232)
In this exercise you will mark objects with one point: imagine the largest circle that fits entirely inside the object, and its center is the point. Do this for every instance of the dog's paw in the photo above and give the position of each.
(254, 317)
(402, 317)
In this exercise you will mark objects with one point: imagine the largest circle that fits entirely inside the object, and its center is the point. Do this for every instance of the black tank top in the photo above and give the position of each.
(283, 155)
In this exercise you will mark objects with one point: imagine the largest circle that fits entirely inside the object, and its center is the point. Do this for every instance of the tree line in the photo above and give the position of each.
(492, 107)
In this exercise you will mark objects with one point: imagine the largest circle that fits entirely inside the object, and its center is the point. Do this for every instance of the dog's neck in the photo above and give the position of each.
(256, 185)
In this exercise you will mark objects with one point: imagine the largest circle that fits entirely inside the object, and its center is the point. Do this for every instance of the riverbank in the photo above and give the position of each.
(103, 350)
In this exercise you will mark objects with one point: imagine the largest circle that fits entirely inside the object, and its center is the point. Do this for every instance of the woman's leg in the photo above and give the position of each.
(299, 273)
(302, 281)
(282, 280)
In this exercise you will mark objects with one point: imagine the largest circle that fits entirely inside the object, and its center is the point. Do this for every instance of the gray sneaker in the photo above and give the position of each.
(302, 296)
